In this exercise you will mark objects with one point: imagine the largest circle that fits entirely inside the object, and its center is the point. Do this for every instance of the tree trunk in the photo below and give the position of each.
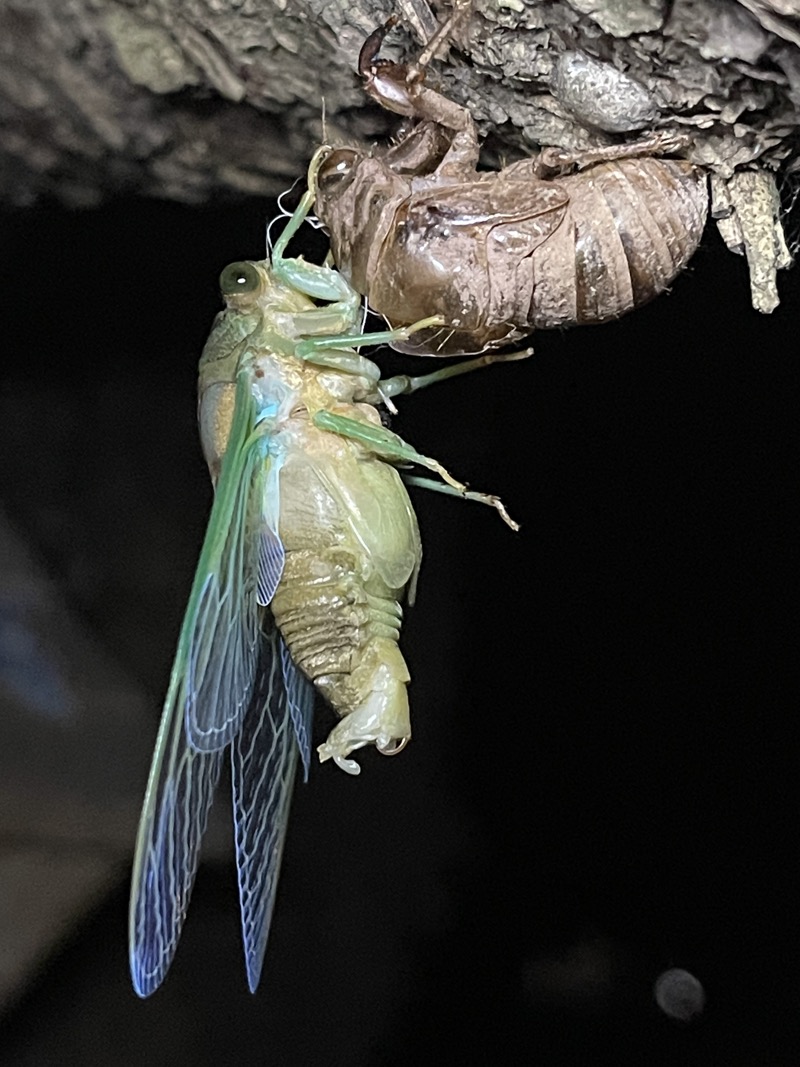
(198, 98)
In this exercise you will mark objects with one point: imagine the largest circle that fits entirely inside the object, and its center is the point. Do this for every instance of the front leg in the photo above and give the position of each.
(399, 87)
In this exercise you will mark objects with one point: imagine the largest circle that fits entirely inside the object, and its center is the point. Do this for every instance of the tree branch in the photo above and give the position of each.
(192, 99)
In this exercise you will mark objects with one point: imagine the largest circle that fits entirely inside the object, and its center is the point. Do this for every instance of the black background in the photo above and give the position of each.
(602, 782)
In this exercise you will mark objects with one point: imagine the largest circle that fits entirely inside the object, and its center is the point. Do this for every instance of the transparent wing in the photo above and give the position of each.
(215, 665)
(264, 759)
(300, 698)
(174, 818)
(217, 648)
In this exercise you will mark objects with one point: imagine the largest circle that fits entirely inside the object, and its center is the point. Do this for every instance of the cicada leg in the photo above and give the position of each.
(465, 494)
(314, 348)
(401, 384)
(389, 446)
(461, 10)
(327, 327)
(400, 87)
(659, 143)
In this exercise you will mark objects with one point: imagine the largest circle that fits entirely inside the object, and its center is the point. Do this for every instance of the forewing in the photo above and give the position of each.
(264, 759)
(217, 652)
(211, 681)
(174, 818)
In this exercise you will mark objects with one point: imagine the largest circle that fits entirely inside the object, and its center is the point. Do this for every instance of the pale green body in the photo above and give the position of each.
(345, 520)
(311, 524)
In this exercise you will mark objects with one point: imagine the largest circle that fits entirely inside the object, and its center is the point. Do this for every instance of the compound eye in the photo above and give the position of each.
(336, 172)
(239, 278)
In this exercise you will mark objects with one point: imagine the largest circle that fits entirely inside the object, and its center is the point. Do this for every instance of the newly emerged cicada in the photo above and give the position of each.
(311, 544)
(497, 254)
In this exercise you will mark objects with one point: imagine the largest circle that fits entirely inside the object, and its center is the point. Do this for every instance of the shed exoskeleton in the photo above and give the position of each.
(420, 231)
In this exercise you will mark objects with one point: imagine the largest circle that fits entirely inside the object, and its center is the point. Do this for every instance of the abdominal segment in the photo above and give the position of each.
(337, 611)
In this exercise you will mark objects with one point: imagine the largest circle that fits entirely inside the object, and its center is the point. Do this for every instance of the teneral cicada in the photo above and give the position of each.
(497, 254)
(311, 544)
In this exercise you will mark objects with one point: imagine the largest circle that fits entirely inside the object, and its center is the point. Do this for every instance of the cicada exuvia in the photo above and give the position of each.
(420, 231)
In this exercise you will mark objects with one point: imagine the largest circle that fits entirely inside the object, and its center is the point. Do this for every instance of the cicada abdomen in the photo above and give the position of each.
(629, 228)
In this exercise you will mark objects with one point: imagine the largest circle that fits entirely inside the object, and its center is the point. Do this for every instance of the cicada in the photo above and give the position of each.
(420, 231)
(312, 543)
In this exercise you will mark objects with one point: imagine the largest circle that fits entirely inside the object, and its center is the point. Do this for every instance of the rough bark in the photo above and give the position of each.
(189, 99)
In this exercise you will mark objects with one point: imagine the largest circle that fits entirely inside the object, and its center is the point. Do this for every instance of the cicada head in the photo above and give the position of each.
(252, 287)
(353, 190)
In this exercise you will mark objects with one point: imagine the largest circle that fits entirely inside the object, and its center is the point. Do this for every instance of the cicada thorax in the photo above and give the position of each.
(629, 229)
(352, 547)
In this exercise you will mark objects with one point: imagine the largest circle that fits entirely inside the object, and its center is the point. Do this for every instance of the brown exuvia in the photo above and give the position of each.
(420, 231)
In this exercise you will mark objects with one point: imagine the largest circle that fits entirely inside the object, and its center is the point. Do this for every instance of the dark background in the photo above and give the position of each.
(603, 779)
